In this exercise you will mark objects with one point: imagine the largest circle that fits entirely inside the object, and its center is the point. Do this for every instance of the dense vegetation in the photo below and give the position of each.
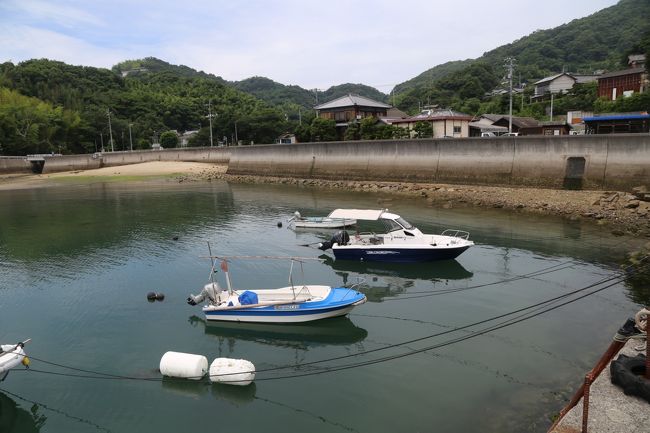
(49, 106)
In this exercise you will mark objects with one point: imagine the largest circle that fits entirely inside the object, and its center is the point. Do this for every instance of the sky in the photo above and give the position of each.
(312, 44)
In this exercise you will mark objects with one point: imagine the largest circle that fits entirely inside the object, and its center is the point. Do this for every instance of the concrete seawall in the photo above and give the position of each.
(618, 162)
(14, 164)
(589, 162)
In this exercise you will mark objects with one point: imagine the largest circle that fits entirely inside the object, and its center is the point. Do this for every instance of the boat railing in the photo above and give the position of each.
(456, 234)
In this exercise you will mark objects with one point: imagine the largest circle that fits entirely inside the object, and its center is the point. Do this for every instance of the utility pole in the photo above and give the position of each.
(510, 65)
(236, 139)
(130, 138)
(551, 107)
(110, 130)
(210, 116)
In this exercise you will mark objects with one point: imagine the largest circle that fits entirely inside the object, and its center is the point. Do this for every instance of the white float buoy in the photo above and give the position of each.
(232, 371)
(184, 365)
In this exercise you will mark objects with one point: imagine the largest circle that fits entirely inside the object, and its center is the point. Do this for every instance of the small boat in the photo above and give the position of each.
(291, 304)
(299, 221)
(11, 356)
(401, 242)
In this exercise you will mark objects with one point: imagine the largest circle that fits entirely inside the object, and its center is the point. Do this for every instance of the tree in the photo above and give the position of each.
(423, 130)
(169, 139)
(352, 131)
(323, 129)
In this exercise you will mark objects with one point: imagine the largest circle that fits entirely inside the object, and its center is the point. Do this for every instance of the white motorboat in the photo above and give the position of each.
(11, 356)
(327, 222)
(401, 242)
(291, 304)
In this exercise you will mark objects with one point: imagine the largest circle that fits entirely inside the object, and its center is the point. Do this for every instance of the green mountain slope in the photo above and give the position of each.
(582, 45)
(162, 98)
(292, 97)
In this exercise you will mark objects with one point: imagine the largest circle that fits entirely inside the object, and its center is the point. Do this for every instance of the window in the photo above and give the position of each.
(457, 130)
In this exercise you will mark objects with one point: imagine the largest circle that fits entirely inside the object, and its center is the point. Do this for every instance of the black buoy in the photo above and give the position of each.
(151, 296)
(175, 238)
(160, 296)
(279, 223)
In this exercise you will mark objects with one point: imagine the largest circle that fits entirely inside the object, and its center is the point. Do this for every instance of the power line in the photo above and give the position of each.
(535, 310)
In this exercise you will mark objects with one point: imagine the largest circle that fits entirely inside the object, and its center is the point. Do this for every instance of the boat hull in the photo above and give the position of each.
(322, 223)
(339, 302)
(397, 254)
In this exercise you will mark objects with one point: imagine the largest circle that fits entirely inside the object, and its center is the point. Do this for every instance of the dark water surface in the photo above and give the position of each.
(77, 261)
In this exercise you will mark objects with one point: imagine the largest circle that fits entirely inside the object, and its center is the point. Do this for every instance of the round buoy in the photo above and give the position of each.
(279, 223)
(175, 238)
(160, 296)
(232, 371)
(184, 365)
(151, 296)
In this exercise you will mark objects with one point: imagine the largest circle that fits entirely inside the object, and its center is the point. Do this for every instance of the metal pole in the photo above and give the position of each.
(110, 130)
(510, 61)
(585, 403)
(551, 106)
(210, 119)
(130, 138)
(236, 139)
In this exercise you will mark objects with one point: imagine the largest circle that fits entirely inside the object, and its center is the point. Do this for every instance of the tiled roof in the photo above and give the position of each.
(553, 77)
(623, 72)
(436, 115)
(350, 101)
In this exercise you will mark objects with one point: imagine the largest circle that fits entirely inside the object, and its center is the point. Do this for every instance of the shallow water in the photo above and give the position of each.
(77, 261)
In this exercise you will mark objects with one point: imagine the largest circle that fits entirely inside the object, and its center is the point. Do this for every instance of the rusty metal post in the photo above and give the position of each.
(647, 350)
(585, 403)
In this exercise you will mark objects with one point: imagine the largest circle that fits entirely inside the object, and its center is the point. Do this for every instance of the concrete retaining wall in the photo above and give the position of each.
(216, 155)
(610, 162)
(14, 164)
(606, 161)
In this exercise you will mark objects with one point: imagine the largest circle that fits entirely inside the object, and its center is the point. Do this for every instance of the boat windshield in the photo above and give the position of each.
(396, 224)
(407, 225)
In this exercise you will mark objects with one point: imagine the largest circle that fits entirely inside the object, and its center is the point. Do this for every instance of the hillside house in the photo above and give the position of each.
(625, 82)
(559, 83)
(350, 108)
(444, 123)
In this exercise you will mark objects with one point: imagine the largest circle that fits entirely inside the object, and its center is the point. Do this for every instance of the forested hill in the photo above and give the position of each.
(50, 106)
(154, 65)
(598, 41)
(292, 97)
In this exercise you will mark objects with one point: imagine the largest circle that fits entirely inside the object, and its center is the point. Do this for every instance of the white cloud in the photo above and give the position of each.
(54, 13)
(310, 44)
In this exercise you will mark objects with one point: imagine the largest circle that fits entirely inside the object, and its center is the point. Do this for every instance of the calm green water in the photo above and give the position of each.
(76, 262)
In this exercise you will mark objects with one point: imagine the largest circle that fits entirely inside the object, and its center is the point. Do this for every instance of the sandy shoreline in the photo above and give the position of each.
(622, 211)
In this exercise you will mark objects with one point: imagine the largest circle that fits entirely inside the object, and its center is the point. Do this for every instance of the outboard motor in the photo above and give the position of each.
(210, 291)
(341, 237)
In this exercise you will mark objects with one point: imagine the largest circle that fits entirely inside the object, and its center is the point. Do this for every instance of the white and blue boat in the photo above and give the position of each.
(400, 242)
(291, 304)
(327, 222)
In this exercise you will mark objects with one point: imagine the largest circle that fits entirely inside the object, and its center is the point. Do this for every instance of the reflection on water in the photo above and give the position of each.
(194, 389)
(14, 419)
(380, 280)
(76, 263)
(332, 331)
